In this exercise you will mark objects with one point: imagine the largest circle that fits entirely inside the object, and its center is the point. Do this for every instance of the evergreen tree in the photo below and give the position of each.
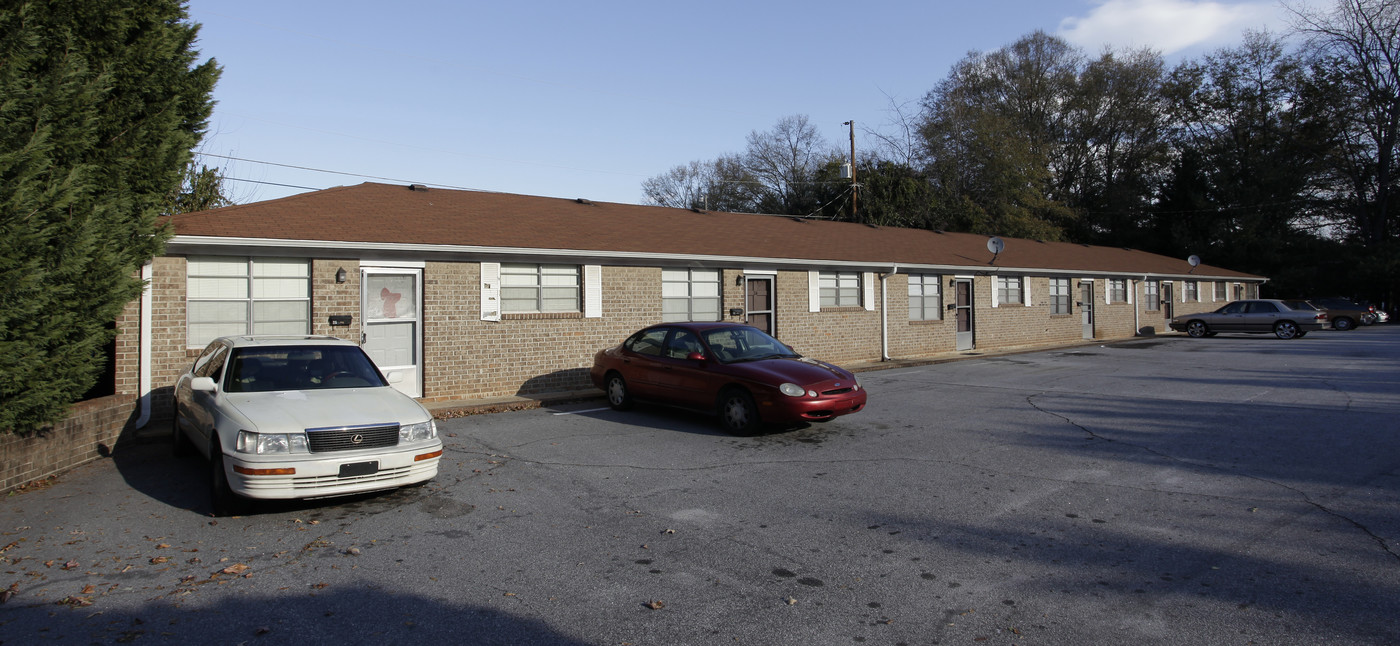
(101, 102)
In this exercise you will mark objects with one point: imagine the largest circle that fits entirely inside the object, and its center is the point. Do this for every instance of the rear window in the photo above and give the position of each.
(1299, 305)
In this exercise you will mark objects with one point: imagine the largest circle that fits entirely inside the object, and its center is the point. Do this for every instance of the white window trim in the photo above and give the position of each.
(592, 291)
(491, 291)
(868, 290)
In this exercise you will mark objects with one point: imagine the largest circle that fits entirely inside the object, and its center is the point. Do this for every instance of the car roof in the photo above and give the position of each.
(700, 326)
(275, 340)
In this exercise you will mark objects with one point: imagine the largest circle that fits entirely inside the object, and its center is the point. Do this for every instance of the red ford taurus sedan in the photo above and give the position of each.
(745, 376)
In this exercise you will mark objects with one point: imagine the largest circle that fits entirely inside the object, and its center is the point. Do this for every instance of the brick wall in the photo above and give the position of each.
(90, 431)
(467, 358)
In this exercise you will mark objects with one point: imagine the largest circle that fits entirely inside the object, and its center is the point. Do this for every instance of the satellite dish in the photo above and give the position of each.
(995, 245)
(1194, 260)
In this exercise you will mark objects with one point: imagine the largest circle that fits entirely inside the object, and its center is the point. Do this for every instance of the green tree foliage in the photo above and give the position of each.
(1249, 158)
(201, 188)
(101, 102)
(991, 132)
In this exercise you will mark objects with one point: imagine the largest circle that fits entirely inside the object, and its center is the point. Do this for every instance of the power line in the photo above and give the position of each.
(331, 172)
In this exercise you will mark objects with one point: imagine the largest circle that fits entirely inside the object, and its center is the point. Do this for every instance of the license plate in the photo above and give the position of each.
(359, 469)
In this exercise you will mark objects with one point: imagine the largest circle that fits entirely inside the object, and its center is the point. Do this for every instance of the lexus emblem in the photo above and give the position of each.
(357, 438)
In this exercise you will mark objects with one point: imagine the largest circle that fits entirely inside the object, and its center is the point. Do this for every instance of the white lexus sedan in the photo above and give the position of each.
(299, 417)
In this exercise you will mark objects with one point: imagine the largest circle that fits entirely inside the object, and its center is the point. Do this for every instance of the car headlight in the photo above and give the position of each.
(420, 432)
(792, 390)
(262, 443)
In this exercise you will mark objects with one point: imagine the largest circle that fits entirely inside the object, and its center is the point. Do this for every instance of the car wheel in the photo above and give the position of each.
(221, 496)
(1343, 324)
(619, 397)
(1301, 334)
(1197, 329)
(1286, 330)
(738, 413)
(180, 445)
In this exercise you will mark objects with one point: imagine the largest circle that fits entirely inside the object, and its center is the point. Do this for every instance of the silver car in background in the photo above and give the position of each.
(1290, 319)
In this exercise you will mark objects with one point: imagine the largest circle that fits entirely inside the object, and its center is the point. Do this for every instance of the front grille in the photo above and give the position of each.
(324, 440)
(838, 391)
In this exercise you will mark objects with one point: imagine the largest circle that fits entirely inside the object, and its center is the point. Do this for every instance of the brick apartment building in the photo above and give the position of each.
(477, 294)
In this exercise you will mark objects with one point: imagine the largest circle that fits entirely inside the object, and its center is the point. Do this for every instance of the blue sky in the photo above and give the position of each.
(588, 99)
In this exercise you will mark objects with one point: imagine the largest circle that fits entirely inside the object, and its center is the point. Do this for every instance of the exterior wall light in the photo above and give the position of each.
(340, 275)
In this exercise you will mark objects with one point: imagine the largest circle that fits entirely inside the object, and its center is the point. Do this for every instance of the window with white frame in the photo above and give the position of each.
(1221, 294)
(529, 289)
(1117, 290)
(690, 295)
(1009, 289)
(1151, 299)
(228, 295)
(925, 297)
(1191, 293)
(840, 289)
(1059, 296)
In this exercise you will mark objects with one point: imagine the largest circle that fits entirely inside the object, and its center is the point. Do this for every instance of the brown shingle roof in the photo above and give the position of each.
(395, 215)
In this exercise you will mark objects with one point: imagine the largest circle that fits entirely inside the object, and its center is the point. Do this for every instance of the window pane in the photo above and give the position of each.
(675, 290)
(704, 289)
(216, 266)
(268, 311)
(280, 327)
(281, 288)
(281, 267)
(203, 333)
(705, 309)
(217, 288)
(219, 312)
(675, 275)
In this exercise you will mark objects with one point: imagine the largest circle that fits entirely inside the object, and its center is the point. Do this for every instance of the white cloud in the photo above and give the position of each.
(1169, 26)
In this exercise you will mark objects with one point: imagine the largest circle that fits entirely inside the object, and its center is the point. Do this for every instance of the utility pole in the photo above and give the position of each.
(855, 188)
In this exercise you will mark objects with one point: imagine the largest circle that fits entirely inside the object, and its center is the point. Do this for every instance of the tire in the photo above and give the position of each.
(1286, 330)
(180, 445)
(222, 497)
(1197, 329)
(1344, 324)
(1301, 334)
(738, 413)
(619, 396)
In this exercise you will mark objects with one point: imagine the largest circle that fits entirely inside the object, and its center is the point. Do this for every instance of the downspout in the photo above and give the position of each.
(1137, 308)
(885, 312)
(143, 385)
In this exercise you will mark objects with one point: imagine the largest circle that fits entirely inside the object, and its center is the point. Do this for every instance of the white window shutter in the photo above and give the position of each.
(996, 291)
(490, 291)
(814, 291)
(592, 291)
(1026, 291)
(867, 290)
(1132, 291)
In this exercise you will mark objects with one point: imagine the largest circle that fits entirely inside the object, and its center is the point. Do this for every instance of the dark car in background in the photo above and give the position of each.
(1345, 314)
(736, 371)
(1286, 319)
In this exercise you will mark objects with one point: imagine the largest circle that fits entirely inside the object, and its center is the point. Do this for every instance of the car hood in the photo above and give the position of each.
(801, 371)
(297, 410)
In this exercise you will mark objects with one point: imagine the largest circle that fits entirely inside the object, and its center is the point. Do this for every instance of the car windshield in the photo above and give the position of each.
(1299, 305)
(735, 344)
(314, 367)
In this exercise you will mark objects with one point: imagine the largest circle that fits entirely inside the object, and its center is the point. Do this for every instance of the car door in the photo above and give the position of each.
(1229, 318)
(202, 412)
(1261, 316)
(681, 379)
(641, 361)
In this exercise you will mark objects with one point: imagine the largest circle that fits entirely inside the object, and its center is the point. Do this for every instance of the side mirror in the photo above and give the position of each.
(203, 384)
(695, 356)
(395, 377)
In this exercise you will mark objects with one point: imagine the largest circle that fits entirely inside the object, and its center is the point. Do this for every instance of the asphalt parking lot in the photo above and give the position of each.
(1230, 490)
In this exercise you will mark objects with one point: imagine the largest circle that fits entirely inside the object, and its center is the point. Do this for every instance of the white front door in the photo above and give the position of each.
(392, 323)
